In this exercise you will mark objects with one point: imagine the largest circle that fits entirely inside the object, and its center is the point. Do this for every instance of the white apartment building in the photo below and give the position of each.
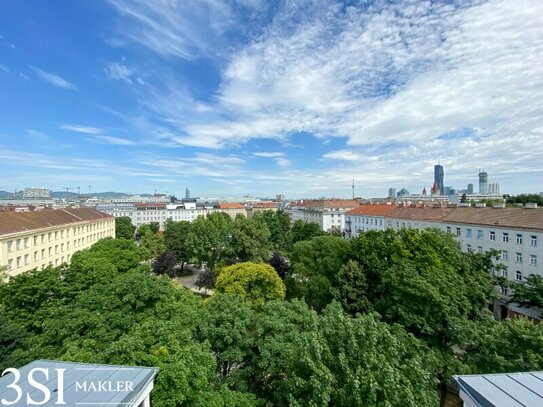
(327, 214)
(517, 233)
(39, 239)
(366, 217)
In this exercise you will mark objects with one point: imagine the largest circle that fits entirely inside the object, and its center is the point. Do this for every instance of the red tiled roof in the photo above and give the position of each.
(371, 210)
(424, 213)
(497, 217)
(231, 205)
(327, 203)
(265, 205)
(14, 222)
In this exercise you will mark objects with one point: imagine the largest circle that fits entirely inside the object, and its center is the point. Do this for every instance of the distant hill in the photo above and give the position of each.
(6, 194)
(62, 194)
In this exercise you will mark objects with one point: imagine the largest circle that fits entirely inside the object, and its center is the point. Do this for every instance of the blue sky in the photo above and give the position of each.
(259, 97)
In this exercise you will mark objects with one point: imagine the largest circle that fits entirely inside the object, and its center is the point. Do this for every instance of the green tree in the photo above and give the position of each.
(514, 345)
(255, 283)
(278, 224)
(175, 238)
(352, 288)
(151, 246)
(315, 266)
(526, 198)
(302, 231)
(154, 226)
(124, 229)
(208, 239)
(530, 292)
(248, 240)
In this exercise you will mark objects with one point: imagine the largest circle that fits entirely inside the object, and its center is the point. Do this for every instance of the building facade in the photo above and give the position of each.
(516, 233)
(365, 218)
(328, 214)
(44, 238)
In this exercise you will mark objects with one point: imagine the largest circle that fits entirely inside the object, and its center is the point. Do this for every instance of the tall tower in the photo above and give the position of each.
(438, 178)
(483, 182)
(353, 189)
(187, 193)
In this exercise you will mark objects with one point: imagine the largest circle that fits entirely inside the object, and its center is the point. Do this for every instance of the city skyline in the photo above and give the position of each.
(262, 98)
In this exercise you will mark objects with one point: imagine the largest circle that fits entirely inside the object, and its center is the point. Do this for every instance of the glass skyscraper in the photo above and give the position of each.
(438, 178)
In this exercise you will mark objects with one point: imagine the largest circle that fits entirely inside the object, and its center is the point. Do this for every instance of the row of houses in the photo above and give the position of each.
(141, 213)
(517, 233)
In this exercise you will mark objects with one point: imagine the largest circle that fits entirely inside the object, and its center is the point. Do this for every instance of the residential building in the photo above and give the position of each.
(327, 213)
(38, 239)
(366, 217)
(232, 208)
(517, 233)
(256, 207)
(493, 187)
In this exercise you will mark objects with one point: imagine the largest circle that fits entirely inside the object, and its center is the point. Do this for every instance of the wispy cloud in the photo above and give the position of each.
(4, 68)
(186, 29)
(53, 79)
(114, 140)
(82, 129)
(118, 71)
(25, 77)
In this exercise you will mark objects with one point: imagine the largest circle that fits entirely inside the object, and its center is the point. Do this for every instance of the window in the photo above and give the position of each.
(468, 233)
(519, 239)
(492, 236)
(18, 261)
(10, 245)
(35, 256)
(533, 260)
(479, 234)
(35, 240)
(518, 275)
(479, 249)
(26, 242)
(518, 257)
(503, 290)
(505, 237)
(505, 255)
(49, 236)
(448, 229)
(43, 237)
(56, 235)
(468, 248)
(10, 264)
(504, 273)
(42, 253)
(26, 259)
(458, 232)
(533, 240)
(18, 244)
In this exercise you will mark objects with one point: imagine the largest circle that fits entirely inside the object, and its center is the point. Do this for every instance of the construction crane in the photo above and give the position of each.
(68, 189)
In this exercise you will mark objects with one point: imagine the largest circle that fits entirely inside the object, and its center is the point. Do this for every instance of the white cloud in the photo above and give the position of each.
(183, 29)
(52, 79)
(82, 129)
(25, 77)
(4, 68)
(119, 71)
(114, 140)
(269, 154)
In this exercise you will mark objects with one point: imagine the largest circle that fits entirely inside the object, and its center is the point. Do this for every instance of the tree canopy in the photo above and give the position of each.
(124, 229)
(255, 283)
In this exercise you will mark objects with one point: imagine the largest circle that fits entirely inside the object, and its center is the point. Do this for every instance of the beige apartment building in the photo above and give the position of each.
(38, 239)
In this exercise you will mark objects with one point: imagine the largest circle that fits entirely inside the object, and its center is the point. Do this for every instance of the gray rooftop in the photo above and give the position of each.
(502, 390)
(76, 377)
